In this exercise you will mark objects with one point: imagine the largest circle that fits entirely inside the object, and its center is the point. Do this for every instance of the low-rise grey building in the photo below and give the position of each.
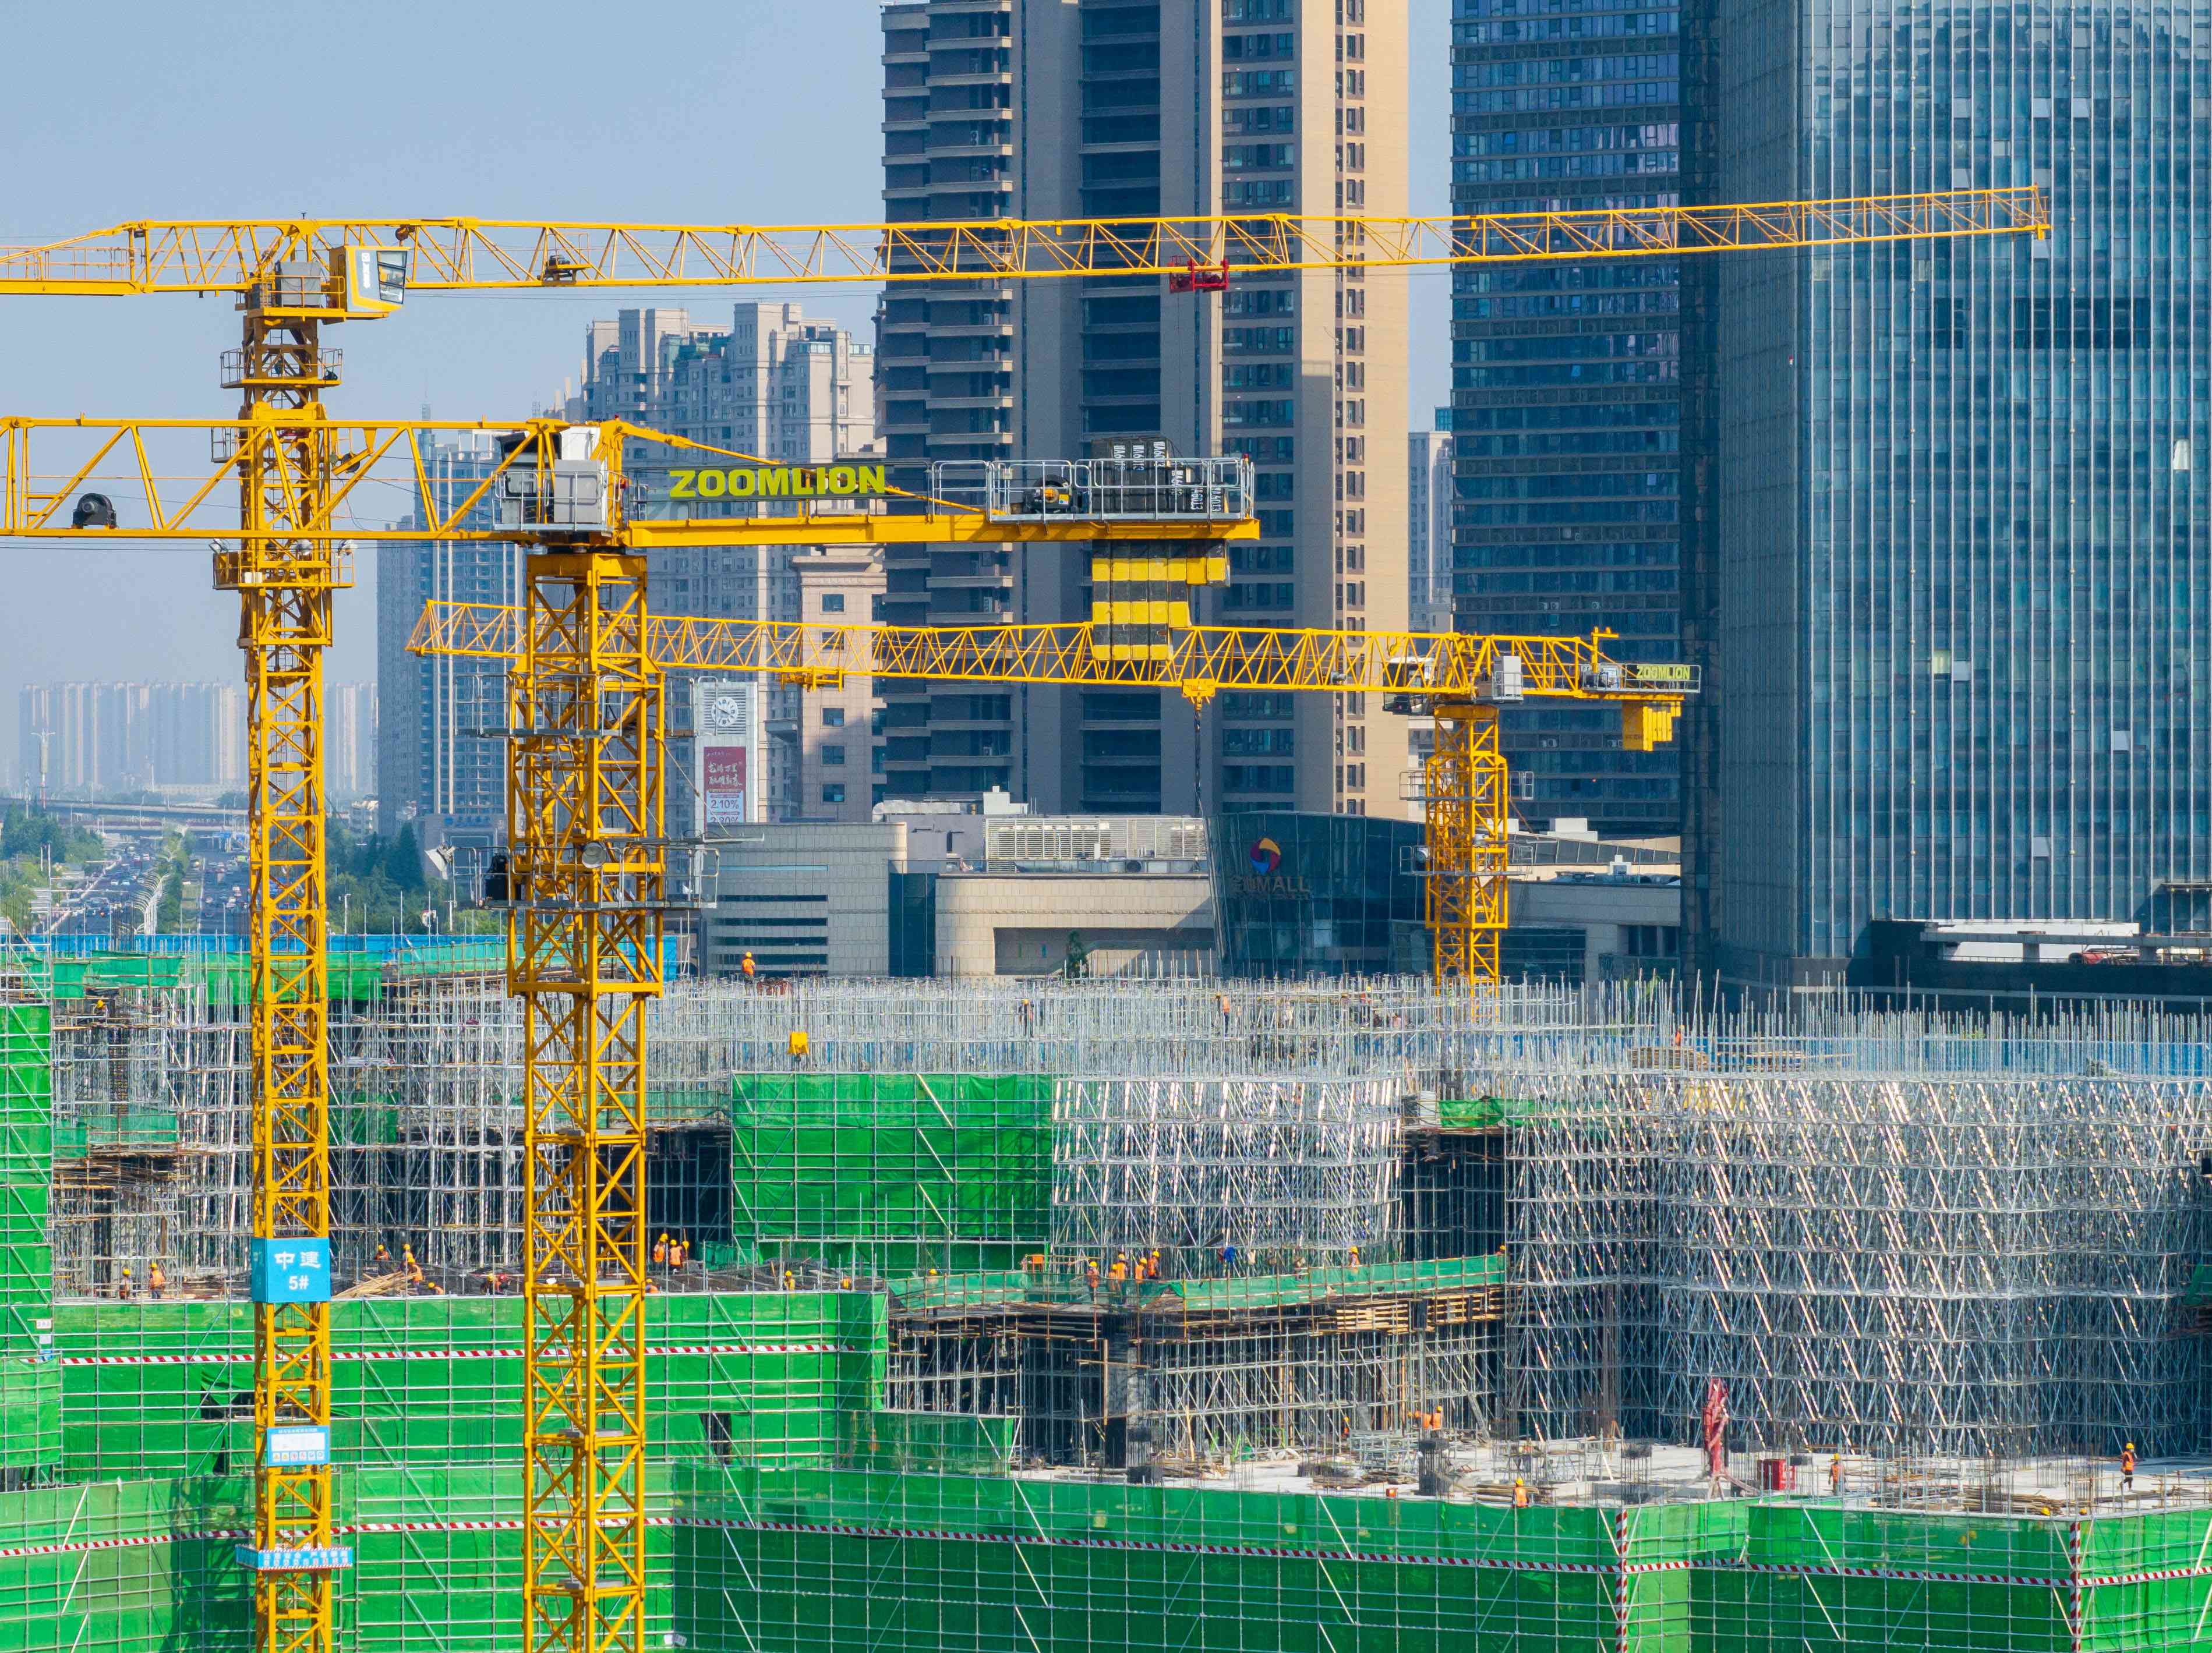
(810, 899)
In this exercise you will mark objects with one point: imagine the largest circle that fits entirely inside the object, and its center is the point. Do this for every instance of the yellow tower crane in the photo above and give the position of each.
(1455, 677)
(291, 277)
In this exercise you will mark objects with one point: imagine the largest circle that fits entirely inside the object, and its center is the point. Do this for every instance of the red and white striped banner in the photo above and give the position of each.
(340, 1357)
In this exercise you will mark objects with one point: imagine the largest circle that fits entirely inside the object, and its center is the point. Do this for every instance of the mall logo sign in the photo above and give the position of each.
(1268, 879)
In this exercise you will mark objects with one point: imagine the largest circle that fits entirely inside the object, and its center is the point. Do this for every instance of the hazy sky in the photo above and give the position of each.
(121, 109)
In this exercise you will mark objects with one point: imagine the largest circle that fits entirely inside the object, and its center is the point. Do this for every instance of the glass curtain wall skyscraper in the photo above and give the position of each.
(1951, 596)
(1133, 108)
(1565, 411)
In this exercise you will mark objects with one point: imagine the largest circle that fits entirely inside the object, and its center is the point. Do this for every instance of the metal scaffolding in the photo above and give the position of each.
(1889, 1257)
(1261, 1175)
(1897, 1235)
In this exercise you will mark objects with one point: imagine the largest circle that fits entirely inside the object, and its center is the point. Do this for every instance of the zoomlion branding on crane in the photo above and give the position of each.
(780, 483)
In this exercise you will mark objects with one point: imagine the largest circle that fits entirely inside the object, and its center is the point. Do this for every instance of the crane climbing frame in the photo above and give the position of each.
(587, 655)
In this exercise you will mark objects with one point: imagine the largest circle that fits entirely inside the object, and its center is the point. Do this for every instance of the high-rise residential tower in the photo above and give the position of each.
(350, 740)
(1566, 415)
(772, 385)
(1429, 526)
(100, 738)
(1109, 108)
(1950, 589)
(440, 762)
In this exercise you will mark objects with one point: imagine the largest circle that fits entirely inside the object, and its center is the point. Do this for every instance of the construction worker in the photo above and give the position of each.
(414, 1268)
(156, 1281)
(1228, 1255)
(660, 1253)
(745, 966)
(1836, 1476)
(1027, 1014)
(1153, 1264)
(2128, 1467)
(1091, 1276)
(1355, 1257)
(1225, 1013)
(1118, 1274)
(1520, 1493)
(383, 1258)
(122, 1286)
(790, 1280)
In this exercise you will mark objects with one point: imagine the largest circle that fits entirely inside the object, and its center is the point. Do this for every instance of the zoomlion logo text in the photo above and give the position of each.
(778, 482)
(1266, 859)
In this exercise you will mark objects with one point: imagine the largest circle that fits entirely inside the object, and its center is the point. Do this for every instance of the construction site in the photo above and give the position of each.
(1156, 1315)
(540, 1293)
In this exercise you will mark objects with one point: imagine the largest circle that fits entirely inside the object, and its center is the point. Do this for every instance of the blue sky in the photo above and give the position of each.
(739, 111)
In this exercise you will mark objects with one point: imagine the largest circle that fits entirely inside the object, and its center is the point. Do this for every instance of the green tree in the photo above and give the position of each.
(402, 861)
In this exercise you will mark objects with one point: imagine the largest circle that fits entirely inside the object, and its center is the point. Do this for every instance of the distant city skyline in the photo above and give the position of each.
(90, 739)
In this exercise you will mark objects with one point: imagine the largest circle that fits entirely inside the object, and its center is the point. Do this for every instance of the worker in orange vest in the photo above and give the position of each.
(156, 1281)
(660, 1253)
(2128, 1467)
(1520, 1493)
(746, 964)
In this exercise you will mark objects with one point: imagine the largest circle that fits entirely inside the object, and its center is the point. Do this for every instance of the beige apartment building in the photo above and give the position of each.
(1134, 108)
(836, 749)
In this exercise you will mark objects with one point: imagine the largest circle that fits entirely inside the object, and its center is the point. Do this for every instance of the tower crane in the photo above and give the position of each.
(1456, 677)
(588, 725)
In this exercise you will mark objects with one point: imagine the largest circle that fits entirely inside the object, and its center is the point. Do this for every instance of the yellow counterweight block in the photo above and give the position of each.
(1141, 595)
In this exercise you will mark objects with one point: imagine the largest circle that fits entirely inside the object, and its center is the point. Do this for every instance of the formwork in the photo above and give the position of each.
(1184, 1373)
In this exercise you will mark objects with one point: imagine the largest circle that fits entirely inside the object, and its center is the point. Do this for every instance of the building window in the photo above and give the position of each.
(833, 603)
(834, 793)
(833, 717)
(833, 757)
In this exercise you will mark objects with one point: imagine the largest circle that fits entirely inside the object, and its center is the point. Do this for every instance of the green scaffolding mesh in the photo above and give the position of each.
(167, 1388)
(892, 1173)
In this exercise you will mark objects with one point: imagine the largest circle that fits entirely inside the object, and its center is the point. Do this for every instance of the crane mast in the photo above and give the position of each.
(286, 571)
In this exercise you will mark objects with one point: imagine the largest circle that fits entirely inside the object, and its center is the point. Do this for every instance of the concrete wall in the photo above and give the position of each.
(1018, 923)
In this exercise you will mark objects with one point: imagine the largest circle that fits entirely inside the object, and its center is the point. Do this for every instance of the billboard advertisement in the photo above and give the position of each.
(722, 784)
